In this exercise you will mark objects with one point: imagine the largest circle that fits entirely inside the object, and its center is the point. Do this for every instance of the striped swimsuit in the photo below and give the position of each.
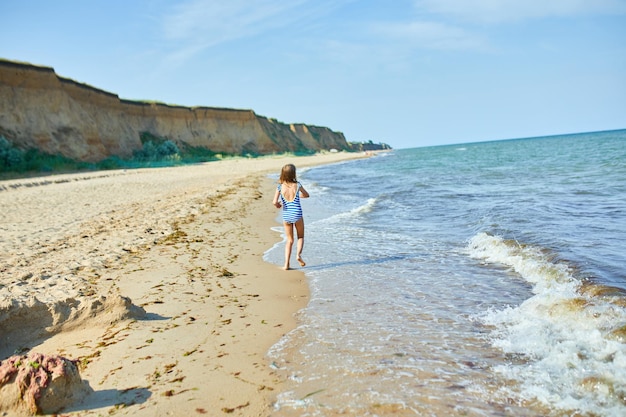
(292, 210)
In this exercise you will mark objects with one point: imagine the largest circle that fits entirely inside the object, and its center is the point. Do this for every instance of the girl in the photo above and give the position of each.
(287, 196)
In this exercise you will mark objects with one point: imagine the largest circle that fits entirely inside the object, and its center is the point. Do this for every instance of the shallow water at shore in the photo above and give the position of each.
(482, 279)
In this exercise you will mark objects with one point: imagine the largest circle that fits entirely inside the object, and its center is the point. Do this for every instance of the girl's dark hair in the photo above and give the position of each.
(288, 174)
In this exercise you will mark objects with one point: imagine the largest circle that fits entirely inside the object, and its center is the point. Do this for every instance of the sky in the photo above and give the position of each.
(409, 73)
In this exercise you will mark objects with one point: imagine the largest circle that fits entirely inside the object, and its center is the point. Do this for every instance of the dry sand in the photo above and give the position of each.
(154, 280)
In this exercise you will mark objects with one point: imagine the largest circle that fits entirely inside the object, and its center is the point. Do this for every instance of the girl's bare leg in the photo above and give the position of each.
(300, 229)
(288, 243)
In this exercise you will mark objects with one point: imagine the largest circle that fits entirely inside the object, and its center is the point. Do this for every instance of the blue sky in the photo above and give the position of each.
(406, 72)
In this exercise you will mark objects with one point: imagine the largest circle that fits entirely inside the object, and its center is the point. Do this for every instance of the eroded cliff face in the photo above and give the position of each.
(41, 110)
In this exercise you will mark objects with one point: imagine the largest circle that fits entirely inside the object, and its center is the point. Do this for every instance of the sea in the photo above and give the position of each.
(479, 279)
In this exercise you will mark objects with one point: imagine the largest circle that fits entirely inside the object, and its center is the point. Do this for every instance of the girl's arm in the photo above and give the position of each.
(275, 202)
(303, 193)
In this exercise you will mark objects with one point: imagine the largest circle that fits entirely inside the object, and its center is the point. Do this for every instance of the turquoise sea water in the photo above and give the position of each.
(482, 279)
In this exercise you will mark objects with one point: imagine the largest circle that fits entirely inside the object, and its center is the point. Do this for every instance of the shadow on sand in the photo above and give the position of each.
(109, 398)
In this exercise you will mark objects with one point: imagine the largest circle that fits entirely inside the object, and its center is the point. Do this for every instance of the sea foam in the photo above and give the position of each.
(557, 339)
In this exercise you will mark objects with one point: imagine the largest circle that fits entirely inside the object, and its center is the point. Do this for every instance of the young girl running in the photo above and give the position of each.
(287, 196)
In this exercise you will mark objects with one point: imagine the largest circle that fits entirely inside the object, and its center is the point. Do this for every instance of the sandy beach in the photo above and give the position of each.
(153, 280)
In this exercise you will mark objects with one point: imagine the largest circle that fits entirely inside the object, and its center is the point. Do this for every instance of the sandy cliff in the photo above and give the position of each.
(39, 109)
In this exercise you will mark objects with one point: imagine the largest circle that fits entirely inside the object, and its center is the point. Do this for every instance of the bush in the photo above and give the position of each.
(14, 160)
(152, 151)
(10, 158)
(112, 162)
(14, 157)
(167, 148)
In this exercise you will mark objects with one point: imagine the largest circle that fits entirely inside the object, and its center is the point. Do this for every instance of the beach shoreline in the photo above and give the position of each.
(154, 281)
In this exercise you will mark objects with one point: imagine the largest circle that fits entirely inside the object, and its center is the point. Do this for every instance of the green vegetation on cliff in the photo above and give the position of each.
(155, 152)
(16, 162)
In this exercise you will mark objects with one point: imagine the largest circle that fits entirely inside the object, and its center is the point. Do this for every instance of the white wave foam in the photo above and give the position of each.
(315, 189)
(281, 231)
(355, 212)
(568, 362)
(528, 261)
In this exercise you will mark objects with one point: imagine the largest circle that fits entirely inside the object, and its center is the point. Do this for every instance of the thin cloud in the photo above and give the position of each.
(197, 25)
(217, 22)
(432, 35)
(497, 11)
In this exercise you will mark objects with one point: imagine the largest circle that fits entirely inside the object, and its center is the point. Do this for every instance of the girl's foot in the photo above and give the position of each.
(286, 267)
(301, 262)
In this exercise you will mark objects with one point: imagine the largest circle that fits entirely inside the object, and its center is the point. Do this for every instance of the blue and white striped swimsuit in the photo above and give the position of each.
(292, 210)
